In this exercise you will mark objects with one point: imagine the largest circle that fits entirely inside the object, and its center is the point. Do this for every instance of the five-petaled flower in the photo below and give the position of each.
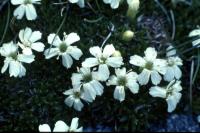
(123, 80)
(26, 7)
(171, 94)
(13, 60)
(104, 60)
(29, 40)
(63, 48)
(151, 67)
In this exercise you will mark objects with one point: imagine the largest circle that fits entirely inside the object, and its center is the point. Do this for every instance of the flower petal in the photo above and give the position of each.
(137, 61)
(30, 12)
(155, 77)
(67, 61)
(44, 128)
(114, 61)
(158, 92)
(60, 126)
(143, 78)
(72, 38)
(90, 62)
(119, 93)
(19, 12)
(108, 50)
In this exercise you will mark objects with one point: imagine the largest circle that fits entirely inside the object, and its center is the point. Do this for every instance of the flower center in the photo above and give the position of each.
(102, 60)
(87, 78)
(122, 81)
(27, 2)
(63, 47)
(149, 65)
(13, 55)
(171, 63)
(77, 94)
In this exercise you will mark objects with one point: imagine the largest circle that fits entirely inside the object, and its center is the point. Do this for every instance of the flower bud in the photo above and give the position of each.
(128, 35)
(133, 8)
(116, 54)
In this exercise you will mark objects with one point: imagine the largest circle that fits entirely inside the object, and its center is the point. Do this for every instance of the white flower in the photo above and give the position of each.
(26, 7)
(81, 3)
(151, 67)
(90, 85)
(113, 3)
(172, 69)
(63, 48)
(103, 59)
(60, 126)
(13, 60)
(74, 98)
(171, 93)
(123, 80)
(195, 33)
(29, 41)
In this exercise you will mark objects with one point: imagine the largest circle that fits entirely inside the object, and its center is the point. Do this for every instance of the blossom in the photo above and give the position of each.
(26, 7)
(13, 60)
(150, 65)
(63, 48)
(29, 40)
(171, 94)
(81, 3)
(113, 3)
(88, 81)
(61, 126)
(195, 33)
(74, 98)
(104, 60)
(123, 80)
(172, 69)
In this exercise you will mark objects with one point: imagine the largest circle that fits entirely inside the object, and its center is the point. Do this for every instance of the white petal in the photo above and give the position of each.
(76, 79)
(114, 61)
(54, 40)
(38, 46)
(36, 35)
(78, 105)
(30, 12)
(26, 58)
(74, 124)
(75, 52)
(160, 65)
(119, 93)
(169, 75)
(143, 77)
(103, 72)
(90, 62)
(69, 101)
(19, 12)
(89, 90)
(51, 52)
(137, 61)
(155, 77)
(112, 81)
(73, 1)
(133, 87)
(120, 72)
(96, 51)
(115, 4)
(195, 32)
(172, 101)
(108, 50)
(171, 51)
(67, 61)
(5, 66)
(60, 126)
(158, 92)
(98, 87)
(14, 68)
(72, 38)
(27, 51)
(44, 128)
(150, 54)
(177, 72)
(22, 70)
(27, 34)
(81, 3)
(17, 2)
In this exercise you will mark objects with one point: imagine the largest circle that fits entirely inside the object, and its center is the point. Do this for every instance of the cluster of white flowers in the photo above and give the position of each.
(60, 126)
(87, 82)
(13, 57)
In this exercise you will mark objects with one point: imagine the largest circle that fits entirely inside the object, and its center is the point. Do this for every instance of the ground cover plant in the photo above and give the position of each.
(100, 65)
